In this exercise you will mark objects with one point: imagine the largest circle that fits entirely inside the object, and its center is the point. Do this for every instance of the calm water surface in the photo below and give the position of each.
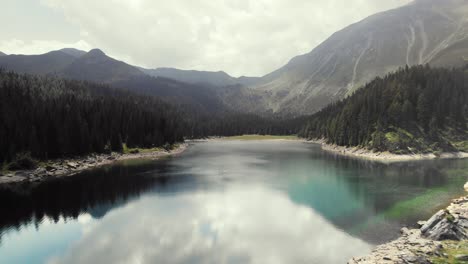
(224, 202)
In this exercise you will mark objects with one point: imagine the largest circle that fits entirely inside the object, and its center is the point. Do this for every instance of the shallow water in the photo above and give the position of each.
(225, 202)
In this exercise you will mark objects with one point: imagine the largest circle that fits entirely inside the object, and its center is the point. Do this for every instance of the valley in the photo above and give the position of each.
(112, 157)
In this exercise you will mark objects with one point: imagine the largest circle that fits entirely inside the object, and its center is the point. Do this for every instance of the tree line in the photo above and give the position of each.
(417, 109)
(50, 117)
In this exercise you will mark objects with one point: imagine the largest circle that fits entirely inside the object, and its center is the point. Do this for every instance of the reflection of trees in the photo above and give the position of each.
(375, 178)
(348, 191)
(96, 192)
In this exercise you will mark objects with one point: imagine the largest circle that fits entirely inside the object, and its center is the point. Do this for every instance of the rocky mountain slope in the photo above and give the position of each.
(425, 31)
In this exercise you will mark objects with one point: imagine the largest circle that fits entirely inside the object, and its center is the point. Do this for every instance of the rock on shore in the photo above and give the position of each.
(70, 167)
(385, 157)
(446, 231)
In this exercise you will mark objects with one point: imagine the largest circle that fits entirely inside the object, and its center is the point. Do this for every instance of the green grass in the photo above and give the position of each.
(141, 150)
(461, 145)
(127, 150)
(452, 249)
(261, 137)
(420, 202)
(4, 168)
(392, 137)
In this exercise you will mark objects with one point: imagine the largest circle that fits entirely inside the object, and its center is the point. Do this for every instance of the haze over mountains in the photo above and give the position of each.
(425, 31)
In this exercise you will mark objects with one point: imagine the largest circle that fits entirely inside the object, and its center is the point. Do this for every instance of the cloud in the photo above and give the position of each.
(16, 46)
(242, 37)
(248, 225)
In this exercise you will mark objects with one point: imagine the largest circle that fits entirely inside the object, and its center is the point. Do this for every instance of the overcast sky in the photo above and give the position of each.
(241, 37)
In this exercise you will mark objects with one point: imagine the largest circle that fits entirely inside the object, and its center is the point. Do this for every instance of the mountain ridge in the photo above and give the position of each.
(423, 31)
(47, 63)
(74, 52)
(96, 66)
(417, 33)
(219, 78)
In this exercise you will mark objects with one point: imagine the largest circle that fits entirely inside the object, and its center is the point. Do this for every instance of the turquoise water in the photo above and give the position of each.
(224, 202)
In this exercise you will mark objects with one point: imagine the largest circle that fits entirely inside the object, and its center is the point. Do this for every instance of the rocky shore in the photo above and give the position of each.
(69, 167)
(441, 239)
(386, 157)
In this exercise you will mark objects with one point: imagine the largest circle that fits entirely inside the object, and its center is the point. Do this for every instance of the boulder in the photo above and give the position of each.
(40, 171)
(461, 257)
(72, 165)
(433, 221)
(466, 186)
(421, 223)
(22, 174)
(444, 226)
(50, 168)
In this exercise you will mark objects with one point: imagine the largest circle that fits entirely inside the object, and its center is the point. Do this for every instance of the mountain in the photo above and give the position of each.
(194, 97)
(49, 63)
(424, 31)
(74, 52)
(72, 64)
(96, 66)
(415, 110)
(219, 78)
(2, 54)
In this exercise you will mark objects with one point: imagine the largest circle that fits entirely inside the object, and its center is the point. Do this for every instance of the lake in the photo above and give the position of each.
(225, 202)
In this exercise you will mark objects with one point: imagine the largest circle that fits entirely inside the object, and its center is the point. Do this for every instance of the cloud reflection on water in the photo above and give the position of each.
(238, 225)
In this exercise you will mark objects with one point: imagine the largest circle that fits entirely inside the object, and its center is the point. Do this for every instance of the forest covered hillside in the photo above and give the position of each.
(414, 110)
(52, 118)
(49, 117)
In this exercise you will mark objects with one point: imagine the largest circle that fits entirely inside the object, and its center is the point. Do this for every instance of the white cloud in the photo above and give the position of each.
(16, 46)
(242, 37)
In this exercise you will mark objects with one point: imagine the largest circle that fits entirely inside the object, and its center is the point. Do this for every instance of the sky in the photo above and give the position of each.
(240, 37)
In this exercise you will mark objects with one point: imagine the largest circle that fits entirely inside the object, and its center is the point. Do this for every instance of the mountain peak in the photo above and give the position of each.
(96, 52)
(73, 52)
(2, 54)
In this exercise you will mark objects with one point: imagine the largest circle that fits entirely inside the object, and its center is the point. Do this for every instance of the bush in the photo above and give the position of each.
(23, 161)
(134, 151)
(168, 147)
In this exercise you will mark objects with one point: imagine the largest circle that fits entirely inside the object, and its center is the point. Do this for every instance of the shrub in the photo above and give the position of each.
(23, 161)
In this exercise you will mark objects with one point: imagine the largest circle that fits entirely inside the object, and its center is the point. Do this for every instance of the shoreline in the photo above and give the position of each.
(61, 168)
(386, 157)
(251, 138)
(441, 239)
